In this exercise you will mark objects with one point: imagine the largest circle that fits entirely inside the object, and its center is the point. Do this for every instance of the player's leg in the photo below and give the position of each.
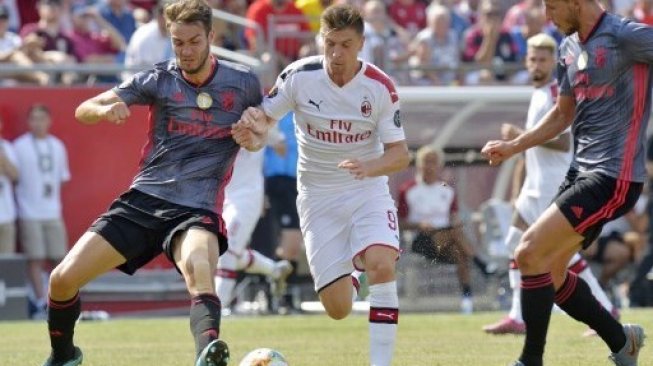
(581, 268)
(513, 323)
(548, 239)
(91, 256)
(238, 233)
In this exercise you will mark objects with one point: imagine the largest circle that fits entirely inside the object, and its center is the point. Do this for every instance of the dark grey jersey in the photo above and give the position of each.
(609, 75)
(189, 153)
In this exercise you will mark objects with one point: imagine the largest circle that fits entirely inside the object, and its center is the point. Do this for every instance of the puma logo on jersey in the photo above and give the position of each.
(316, 105)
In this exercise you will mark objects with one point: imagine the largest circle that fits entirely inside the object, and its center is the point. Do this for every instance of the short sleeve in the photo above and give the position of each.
(254, 91)
(564, 86)
(279, 100)
(390, 128)
(139, 89)
(636, 40)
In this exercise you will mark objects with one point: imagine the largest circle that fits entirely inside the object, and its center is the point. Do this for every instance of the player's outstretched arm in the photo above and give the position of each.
(251, 131)
(395, 158)
(552, 124)
(103, 107)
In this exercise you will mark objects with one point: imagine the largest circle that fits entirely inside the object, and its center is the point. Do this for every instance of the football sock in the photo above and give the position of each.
(582, 270)
(62, 316)
(204, 320)
(255, 262)
(515, 283)
(537, 294)
(225, 281)
(575, 298)
(384, 316)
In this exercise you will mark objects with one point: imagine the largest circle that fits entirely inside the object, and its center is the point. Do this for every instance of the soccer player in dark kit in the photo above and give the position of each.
(604, 76)
(195, 102)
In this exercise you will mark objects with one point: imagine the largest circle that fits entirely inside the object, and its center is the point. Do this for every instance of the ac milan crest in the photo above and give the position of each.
(227, 99)
(366, 108)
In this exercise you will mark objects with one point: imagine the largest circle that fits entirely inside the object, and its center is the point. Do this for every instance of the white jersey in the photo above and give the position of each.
(7, 205)
(545, 168)
(335, 123)
(43, 166)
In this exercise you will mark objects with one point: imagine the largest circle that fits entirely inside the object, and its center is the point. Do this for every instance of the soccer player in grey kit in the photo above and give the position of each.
(605, 92)
(195, 102)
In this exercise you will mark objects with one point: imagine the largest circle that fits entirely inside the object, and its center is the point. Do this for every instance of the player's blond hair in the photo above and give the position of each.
(543, 41)
(425, 150)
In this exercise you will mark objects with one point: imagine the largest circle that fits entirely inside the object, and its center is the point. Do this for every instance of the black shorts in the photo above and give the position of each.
(589, 200)
(282, 193)
(140, 227)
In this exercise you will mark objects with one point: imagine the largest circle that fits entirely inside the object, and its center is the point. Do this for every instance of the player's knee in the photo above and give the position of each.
(525, 254)
(380, 271)
(62, 283)
(199, 270)
(338, 311)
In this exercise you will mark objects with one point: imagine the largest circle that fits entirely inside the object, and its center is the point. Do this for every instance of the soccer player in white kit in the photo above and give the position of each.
(242, 208)
(546, 166)
(350, 138)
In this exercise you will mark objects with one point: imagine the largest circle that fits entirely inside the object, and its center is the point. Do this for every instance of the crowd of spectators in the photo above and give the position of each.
(417, 42)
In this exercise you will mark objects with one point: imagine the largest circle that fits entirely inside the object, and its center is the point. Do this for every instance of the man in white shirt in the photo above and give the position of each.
(43, 164)
(8, 176)
(350, 137)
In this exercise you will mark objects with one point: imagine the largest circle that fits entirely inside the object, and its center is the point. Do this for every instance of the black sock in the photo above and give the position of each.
(205, 311)
(537, 294)
(576, 299)
(62, 316)
(466, 289)
(292, 277)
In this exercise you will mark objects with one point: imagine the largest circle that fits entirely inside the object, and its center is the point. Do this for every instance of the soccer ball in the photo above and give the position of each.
(264, 357)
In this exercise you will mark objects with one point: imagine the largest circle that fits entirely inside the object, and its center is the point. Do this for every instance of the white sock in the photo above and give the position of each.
(255, 262)
(384, 315)
(515, 283)
(224, 288)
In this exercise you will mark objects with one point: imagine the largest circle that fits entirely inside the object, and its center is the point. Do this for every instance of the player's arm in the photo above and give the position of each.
(395, 158)
(561, 142)
(552, 124)
(107, 106)
(251, 130)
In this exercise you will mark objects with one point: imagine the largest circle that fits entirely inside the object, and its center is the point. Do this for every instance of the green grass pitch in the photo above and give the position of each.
(423, 340)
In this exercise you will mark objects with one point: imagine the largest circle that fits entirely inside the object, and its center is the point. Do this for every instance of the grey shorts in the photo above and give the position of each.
(7, 238)
(43, 239)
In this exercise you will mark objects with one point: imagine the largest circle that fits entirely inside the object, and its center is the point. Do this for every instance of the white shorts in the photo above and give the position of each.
(338, 227)
(530, 208)
(241, 214)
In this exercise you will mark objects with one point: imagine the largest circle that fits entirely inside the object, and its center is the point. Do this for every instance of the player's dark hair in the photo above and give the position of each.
(341, 16)
(188, 12)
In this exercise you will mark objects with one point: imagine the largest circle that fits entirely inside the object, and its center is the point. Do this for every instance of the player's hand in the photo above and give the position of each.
(254, 119)
(246, 138)
(357, 168)
(496, 151)
(510, 131)
(116, 112)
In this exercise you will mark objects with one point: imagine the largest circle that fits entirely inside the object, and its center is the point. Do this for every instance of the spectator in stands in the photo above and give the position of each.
(148, 5)
(8, 176)
(437, 47)
(150, 43)
(312, 9)
(44, 41)
(118, 14)
(408, 14)
(142, 17)
(489, 45)
(13, 14)
(468, 10)
(27, 11)
(11, 52)
(386, 43)
(516, 15)
(428, 207)
(643, 11)
(227, 34)
(43, 164)
(288, 19)
(95, 40)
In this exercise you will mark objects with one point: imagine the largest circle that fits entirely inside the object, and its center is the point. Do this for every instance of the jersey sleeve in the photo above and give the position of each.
(637, 41)
(389, 127)
(564, 86)
(140, 89)
(254, 91)
(279, 100)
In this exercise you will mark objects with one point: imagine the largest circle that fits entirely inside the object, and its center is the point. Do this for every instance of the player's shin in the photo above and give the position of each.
(576, 299)
(205, 314)
(62, 316)
(537, 295)
(383, 318)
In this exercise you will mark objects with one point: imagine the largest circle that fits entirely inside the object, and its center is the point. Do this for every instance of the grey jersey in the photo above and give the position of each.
(609, 76)
(189, 153)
